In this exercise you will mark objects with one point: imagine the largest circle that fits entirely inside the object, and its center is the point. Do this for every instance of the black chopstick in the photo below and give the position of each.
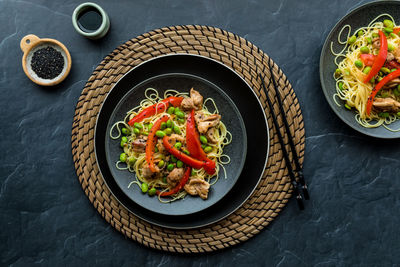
(296, 186)
(291, 144)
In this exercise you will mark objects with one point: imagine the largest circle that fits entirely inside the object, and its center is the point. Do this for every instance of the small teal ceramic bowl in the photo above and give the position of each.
(104, 26)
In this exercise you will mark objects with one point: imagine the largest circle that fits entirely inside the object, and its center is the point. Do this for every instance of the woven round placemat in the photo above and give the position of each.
(247, 60)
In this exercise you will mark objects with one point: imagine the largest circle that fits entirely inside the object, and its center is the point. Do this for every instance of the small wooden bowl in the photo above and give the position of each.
(31, 43)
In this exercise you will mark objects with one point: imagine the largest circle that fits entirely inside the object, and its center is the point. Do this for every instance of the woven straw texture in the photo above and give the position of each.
(247, 60)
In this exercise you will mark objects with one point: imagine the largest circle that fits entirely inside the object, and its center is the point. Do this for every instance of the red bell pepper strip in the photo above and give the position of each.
(193, 142)
(156, 108)
(379, 86)
(151, 142)
(393, 64)
(367, 59)
(380, 58)
(179, 186)
(197, 164)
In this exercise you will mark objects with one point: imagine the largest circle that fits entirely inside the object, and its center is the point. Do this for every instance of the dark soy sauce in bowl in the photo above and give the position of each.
(89, 20)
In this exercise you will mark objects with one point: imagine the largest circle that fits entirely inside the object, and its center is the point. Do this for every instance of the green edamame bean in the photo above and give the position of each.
(138, 125)
(385, 70)
(393, 35)
(179, 164)
(160, 134)
(181, 120)
(204, 146)
(391, 47)
(388, 23)
(145, 187)
(180, 114)
(163, 125)
(375, 35)
(132, 160)
(152, 191)
(177, 130)
(203, 139)
(123, 141)
(379, 79)
(392, 70)
(338, 72)
(360, 33)
(358, 64)
(369, 40)
(208, 149)
(186, 152)
(173, 159)
(383, 114)
(178, 145)
(125, 131)
(136, 131)
(122, 157)
(170, 167)
(388, 30)
(364, 50)
(170, 124)
(347, 106)
(161, 163)
(168, 131)
(367, 69)
(171, 110)
(352, 40)
(340, 85)
(149, 126)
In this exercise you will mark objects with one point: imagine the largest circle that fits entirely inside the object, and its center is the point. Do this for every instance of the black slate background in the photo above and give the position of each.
(352, 218)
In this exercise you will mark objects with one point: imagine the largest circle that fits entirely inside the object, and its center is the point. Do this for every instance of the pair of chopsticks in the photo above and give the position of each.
(300, 186)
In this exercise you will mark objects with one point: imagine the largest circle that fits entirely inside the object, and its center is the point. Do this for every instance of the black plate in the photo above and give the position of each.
(357, 18)
(230, 117)
(247, 103)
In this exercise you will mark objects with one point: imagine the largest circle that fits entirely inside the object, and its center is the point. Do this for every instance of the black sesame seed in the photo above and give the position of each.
(47, 62)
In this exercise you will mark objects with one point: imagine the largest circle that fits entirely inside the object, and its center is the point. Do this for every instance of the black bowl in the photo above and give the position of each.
(357, 18)
(248, 105)
(236, 150)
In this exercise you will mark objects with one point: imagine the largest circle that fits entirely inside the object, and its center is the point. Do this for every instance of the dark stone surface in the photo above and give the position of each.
(46, 219)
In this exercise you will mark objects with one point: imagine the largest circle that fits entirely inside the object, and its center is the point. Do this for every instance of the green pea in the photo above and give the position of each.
(391, 47)
(145, 187)
(168, 131)
(136, 131)
(177, 130)
(170, 124)
(163, 125)
(375, 35)
(152, 191)
(338, 72)
(340, 85)
(364, 50)
(186, 152)
(388, 30)
(383, 114)
(123, 141)
(160, 134)
(132, 160)
(358, 64)
(203, 139)
(352, 40)
(396, 91)
(360, 33)
(171, 110)
(181, 120)
(170, 167)
(369, 40)
(173, 159)
(125, 131)
(193, 172)
(180, 114)
(208, 149)
(385, 70)
(161, 163)
(178, 145)
(138, 125)
(122, 157)
(347, 106)
(388, 23)
(393, 35)
(179, 164)
(367, 69)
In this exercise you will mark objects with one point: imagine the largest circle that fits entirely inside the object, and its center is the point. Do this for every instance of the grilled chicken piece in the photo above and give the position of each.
(147, 173)
(139, 144)
(175, 176)
(176, 138)
(195, 101)
(376, 43)
(205, 124)
(160, 146)
(392, 83)
(197, 186)
(386, 104)
(211, 135)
